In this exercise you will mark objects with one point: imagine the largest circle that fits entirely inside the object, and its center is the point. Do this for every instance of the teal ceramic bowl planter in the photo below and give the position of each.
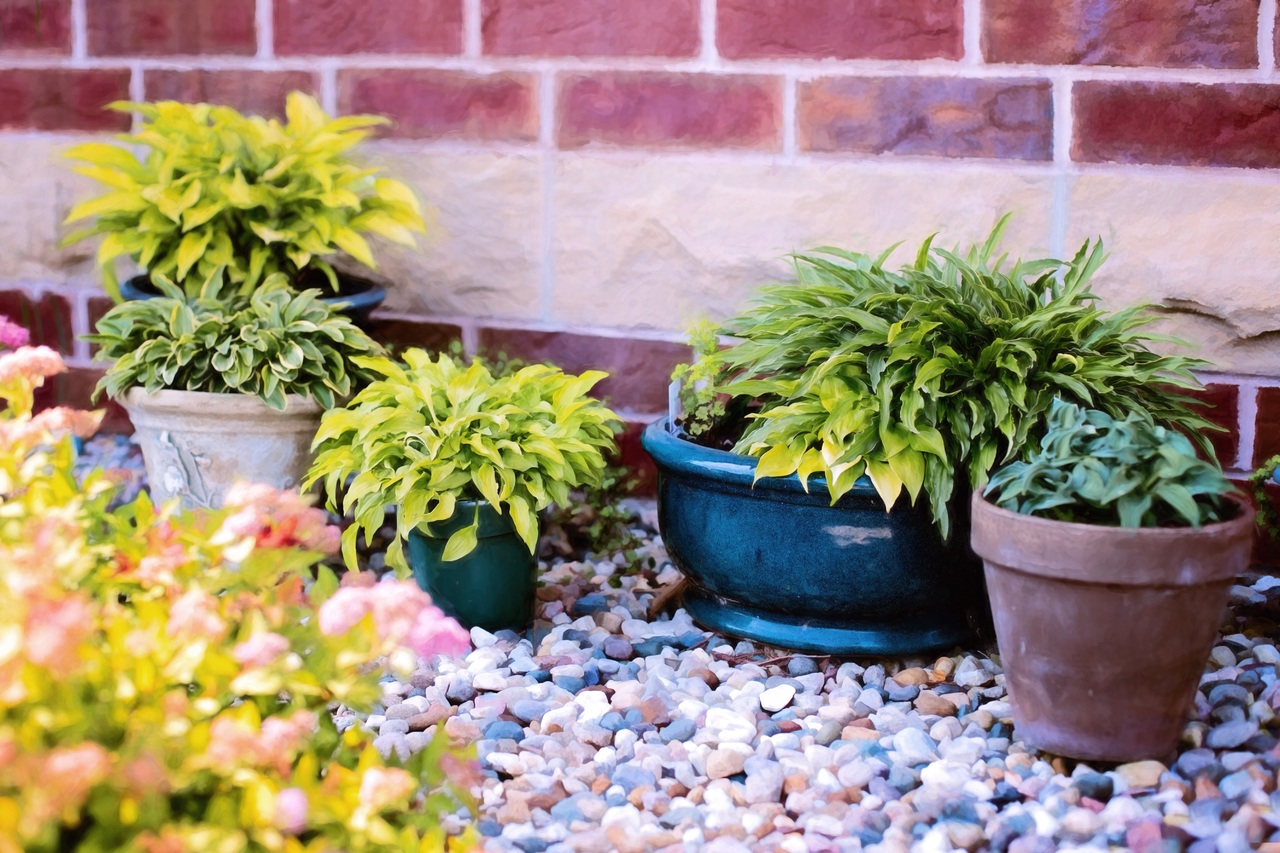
(779, 566)
(492, 587)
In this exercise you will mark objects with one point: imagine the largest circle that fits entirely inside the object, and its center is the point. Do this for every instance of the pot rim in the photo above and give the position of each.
(682, 456)
(190, 402)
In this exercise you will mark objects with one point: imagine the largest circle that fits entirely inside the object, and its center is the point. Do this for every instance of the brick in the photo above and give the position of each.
(1184, 124)
(163, 27)
(1164, 33)
(1222, 409)
(947, 117)
(669, 110)
(35, 26)
(47, 319)
(427, 104)
(639, 370)
(590, 27)
(257, 92)
(840, 29)
(323, 27)
(401, 333)
(631, 455)
(62, 99)
(1266, 434)
(75, 388)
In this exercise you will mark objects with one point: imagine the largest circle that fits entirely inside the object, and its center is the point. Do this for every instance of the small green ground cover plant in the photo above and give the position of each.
(1094, 468)
(428, 433)
(931, 374)
(221, 198)
(269, 344)
(166, 678)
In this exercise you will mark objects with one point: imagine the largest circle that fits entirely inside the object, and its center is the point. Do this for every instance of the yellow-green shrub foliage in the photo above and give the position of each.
(166, 679)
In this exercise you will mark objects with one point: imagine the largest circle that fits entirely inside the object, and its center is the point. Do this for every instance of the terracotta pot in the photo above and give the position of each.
(196, 445)
(1104, 631)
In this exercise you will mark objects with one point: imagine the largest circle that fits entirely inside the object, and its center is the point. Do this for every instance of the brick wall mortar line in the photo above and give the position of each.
(708, 54)
(1214, 377)
(79, 30)
(472, 32)
(264, 20)
(1266, 36)
(790, 119)
(972, 32)
(137, 89)
(80, 323)
(1248, 414)
(329, 87)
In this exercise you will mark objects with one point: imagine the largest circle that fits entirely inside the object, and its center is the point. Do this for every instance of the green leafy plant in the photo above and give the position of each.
(1098, 469)
(427, 434)
(220, 197)
(270, 344)
(1268, 519)
(701, 400)
(936, 371)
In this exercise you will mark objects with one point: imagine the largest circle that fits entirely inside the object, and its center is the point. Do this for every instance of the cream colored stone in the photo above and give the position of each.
(1205, 244)
(37, 190)
(483, 253)
(660, 243)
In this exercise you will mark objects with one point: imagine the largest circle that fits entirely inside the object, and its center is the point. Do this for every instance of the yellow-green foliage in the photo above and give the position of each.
(223, 196)
(430, 433)
(166, 679)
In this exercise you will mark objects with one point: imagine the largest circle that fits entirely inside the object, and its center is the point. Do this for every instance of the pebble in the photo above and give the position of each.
(776, 698)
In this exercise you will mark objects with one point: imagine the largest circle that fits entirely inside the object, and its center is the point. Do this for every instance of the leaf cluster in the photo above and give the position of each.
(270, 344)
(220, 197)
(938, 370)
(701, 400)
(1098, 469)
(427, 434)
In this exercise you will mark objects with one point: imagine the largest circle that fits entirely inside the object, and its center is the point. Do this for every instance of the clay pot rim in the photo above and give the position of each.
(191, 402)
(1244, 518)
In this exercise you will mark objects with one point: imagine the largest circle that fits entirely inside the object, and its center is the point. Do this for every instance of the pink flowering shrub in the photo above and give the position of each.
(166, 680)
(12, 335)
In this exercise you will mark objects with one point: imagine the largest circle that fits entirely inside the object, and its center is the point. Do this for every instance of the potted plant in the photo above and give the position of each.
(1109, 556)
(468, 459)
(220, 389)
(223, 198)
(857, 389)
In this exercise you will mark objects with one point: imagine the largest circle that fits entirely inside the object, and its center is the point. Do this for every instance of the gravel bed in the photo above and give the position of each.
(608, 728)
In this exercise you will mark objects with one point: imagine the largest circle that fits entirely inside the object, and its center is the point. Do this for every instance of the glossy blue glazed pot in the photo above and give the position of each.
(771, 563)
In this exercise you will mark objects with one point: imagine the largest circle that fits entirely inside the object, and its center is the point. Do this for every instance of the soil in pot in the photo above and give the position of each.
(1104, 631)
(494, 586)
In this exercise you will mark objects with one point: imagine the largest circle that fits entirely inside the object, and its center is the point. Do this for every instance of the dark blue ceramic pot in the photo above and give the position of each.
(774, 564)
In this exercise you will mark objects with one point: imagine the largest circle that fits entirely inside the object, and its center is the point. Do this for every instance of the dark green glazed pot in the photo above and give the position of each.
(777, 565)
(493, 586)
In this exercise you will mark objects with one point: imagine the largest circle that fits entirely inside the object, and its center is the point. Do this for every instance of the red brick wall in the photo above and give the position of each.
(1063, 85)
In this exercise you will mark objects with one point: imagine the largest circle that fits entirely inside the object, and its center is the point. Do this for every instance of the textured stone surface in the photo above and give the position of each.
(1230, 124)
(949, 117)
(322, 27)
(153, 27)
(62, 99)
(869, 29)
(260, 92)
(38, 190)
(584, 28)
(456, 104)
(482, 255)
(1203, 243)
(1176, 33)
(657, 109)
(639, 370)
(30, 26)
(662, 244)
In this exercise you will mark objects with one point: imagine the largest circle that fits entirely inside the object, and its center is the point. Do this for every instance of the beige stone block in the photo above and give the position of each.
(482, 256)
(1206, 245)
(37, 190)
(661, 243)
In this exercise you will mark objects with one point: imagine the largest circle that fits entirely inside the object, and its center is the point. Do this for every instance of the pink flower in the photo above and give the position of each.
(403, 615)
(384, 786)
(61, 419)
(73, 771)
(32, 364)
(276, 519)
(11, 334)
(195, 615)
(291, 811)
(260, 649)
(55, 630)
